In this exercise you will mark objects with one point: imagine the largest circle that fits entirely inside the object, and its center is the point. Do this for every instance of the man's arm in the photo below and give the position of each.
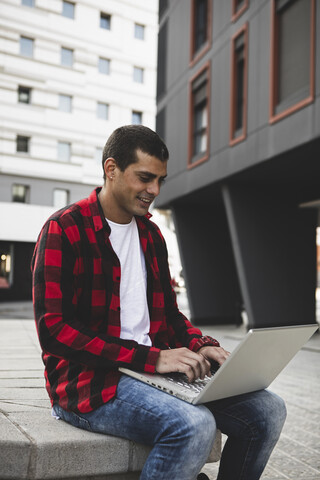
(55, 298)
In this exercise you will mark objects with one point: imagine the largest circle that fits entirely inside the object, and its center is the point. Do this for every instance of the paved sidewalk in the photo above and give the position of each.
(297, 455)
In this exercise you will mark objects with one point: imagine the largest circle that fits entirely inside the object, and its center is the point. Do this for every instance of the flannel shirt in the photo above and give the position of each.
(76, 284)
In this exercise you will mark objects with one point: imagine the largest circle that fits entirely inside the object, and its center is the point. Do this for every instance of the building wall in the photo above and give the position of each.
(253, 190)
(42, 120)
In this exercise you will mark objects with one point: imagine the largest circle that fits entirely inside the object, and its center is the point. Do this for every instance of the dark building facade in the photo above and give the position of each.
(238, 106)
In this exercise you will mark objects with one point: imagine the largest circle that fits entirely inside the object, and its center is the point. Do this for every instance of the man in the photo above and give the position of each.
(103, 299)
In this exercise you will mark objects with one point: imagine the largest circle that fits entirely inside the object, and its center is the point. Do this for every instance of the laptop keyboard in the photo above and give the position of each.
(182, 381)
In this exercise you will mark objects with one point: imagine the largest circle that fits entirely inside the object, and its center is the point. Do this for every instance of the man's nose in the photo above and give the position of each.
(153, 188)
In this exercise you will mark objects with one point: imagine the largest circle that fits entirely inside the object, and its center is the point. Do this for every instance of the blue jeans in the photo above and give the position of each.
(182, 435)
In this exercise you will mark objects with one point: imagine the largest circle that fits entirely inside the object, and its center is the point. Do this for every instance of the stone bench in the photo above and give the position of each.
(33, 445)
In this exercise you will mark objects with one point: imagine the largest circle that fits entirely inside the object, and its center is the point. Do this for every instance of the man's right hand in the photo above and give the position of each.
(183, 360)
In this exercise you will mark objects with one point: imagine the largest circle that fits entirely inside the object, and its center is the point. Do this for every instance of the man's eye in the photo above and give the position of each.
(144, 179)
(162, 181)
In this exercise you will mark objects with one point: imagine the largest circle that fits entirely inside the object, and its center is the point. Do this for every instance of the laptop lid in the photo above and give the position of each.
(256, 361)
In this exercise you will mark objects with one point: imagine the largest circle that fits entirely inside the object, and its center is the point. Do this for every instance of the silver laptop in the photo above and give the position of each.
(253, 365)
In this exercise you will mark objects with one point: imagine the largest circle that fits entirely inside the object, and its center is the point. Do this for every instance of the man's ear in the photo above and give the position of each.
(109, 168)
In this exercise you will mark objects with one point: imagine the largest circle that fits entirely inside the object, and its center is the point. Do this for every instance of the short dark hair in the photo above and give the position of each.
(124, 142)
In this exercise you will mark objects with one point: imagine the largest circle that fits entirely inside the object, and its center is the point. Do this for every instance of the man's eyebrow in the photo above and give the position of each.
(149, 174)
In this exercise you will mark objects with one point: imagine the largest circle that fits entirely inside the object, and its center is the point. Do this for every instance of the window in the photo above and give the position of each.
(60, 197)
(24, 94)
(136, 118)
(20, 193)
(102, 110)
(98, 155)
(199, 121)
(64, 151)
(6, 270)
(138, 74)
(238, 7)
(68, 9)
(293, 47)
(162, 61)
(66, 57)
(105, 21)
(104, 66)
(26, 46)
(27, 3)
(200, 28)
(239, 69)
(65, 103)
(139, 31)
(22, 144)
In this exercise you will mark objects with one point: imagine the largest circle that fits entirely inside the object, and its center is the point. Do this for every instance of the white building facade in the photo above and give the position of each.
(70, 73)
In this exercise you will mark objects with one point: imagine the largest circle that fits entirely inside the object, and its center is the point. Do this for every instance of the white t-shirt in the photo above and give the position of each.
(134, 313)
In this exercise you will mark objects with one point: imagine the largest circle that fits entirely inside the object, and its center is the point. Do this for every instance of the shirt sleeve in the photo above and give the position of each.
(55, 299)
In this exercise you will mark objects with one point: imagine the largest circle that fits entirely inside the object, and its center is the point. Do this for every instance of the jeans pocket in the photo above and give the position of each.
(73, 418)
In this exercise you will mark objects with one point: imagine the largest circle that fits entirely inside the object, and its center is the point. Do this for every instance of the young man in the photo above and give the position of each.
(103, 299)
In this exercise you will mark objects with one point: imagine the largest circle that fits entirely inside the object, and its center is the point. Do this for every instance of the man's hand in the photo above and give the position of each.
(185, 361)
(217, 354)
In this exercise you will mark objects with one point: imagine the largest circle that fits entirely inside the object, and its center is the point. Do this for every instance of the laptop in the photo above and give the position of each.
(253, 365)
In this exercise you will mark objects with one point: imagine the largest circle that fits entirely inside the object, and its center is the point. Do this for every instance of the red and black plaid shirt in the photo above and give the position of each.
(76, 285)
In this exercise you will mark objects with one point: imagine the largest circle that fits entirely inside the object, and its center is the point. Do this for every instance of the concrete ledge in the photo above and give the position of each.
(35, 446)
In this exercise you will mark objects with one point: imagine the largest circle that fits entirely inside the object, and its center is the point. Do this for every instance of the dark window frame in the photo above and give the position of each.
(273, 115)
(20, 199)
(23, 141)
(105, 17)
(24, 90)
(195, 159)
(239, 133)
(63, 12)
(197, 54)
(238, 11)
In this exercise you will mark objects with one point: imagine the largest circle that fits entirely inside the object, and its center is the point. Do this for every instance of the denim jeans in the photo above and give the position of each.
(182, 435)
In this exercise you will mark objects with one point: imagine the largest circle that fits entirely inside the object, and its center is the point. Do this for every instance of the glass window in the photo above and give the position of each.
(66, 57)
(102, 110)
(199, 120)
(138, 74)
(68, 9)
(22, 144)
(64, 151)
(24, 94)
(60, 197)
(20, 193)
(26, 46)
(139, 31)
(6, 270)
(239, 86)
(104, 66)
(27, 3)
(105, 21)
(200, 24)
(292, 52)
(136, 118)
(65, 103)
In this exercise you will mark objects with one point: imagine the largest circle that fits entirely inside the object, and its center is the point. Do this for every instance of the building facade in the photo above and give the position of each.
(238, 106)
(71, 72)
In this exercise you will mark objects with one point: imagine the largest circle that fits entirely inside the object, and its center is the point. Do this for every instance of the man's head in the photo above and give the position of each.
(123, 143)
(135, 166)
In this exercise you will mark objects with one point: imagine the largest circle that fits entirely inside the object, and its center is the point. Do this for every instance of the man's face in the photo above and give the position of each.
(134, 190)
